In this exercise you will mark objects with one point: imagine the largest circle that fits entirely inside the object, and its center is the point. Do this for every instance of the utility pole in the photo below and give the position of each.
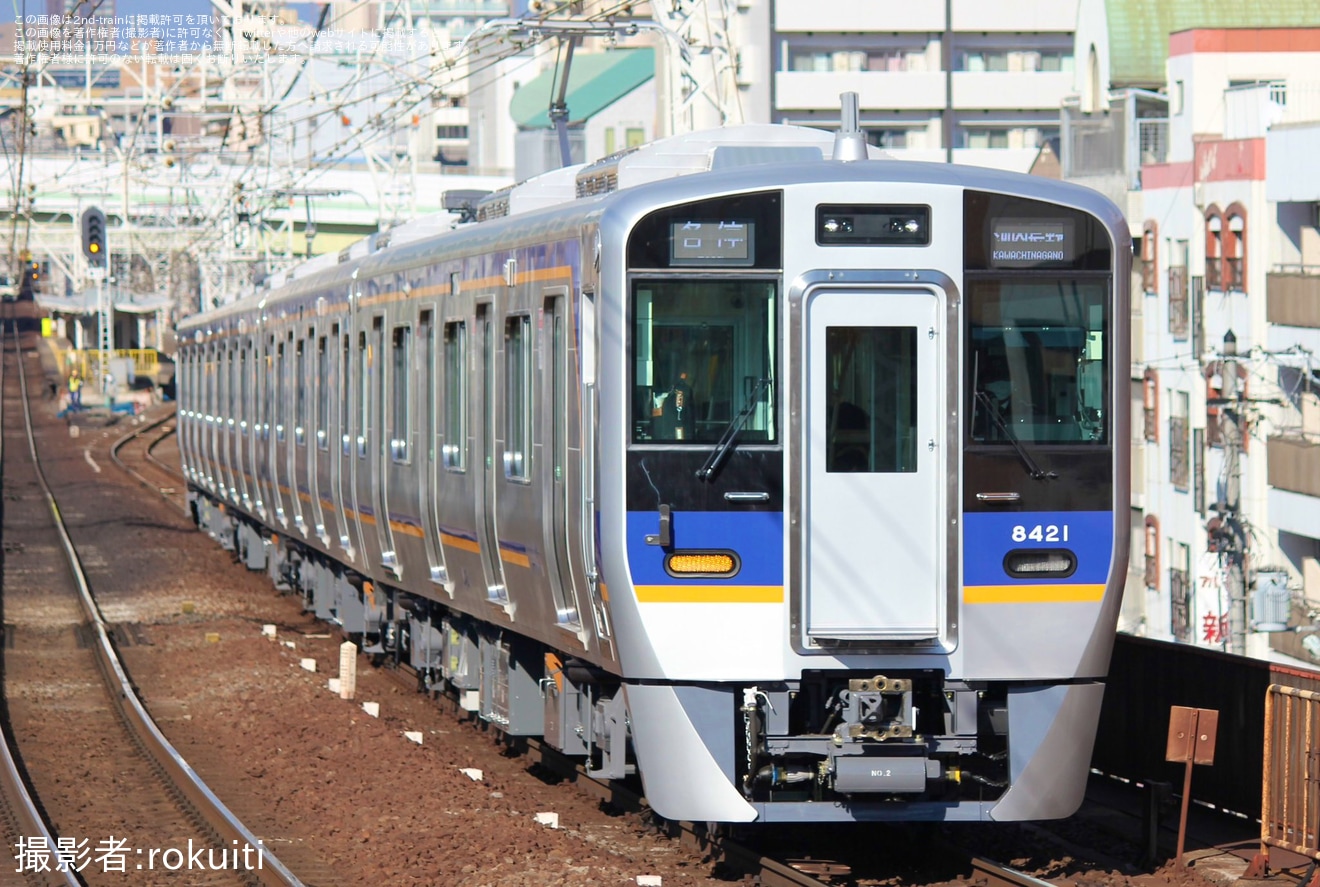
(1234, 550)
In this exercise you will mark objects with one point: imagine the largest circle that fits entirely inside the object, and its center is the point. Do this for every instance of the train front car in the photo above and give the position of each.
(870, 447)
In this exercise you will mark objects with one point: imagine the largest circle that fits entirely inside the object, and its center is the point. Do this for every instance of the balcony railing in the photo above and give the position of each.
(1178, 301)
(1294, 464)
(1292, 296)
(1233, 274)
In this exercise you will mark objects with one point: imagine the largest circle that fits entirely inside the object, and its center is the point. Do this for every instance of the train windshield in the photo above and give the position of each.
(1037, 362)
(704, 350)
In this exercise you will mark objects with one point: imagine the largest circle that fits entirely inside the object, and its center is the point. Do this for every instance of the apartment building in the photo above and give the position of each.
(1226, 507)
(981, 85)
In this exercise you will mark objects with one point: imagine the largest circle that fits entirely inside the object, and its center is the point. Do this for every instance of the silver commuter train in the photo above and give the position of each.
(797, 484)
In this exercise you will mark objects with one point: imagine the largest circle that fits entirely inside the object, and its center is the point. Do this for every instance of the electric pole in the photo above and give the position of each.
(1234, 550)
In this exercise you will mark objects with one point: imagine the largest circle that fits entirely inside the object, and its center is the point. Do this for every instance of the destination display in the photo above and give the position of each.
(1025, 243)
(727, 242)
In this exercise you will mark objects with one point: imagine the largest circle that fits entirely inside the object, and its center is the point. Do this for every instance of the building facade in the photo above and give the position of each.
(1225, 535)
(981, 85)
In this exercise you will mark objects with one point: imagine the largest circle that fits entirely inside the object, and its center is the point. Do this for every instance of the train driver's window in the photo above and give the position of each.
(1036, 369)
(704, 351)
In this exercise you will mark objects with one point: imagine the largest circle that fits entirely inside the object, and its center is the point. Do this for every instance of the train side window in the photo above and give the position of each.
(517, 397)
(364, 412)
(345, 361)
(401, 392)
(244, 385)
(872, 399)
(235, 405)
(456, 406)
(322, 394)
(222, 386)
(300, 393)
(704, 352)
(280, 393)
(426, 329)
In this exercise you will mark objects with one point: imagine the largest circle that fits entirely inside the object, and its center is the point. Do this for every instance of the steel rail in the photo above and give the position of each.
(194, 790)
(19, 799)
(134, 473)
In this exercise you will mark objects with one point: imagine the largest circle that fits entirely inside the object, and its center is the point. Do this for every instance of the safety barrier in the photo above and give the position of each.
(89, 363)
(1290, 800)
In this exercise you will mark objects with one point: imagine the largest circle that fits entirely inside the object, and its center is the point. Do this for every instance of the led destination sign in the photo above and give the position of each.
(727, 242)
(1023, 243)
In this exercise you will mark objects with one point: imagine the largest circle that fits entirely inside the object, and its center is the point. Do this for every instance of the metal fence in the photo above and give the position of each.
(1147, 678)
(1290, 815)
(89, 362)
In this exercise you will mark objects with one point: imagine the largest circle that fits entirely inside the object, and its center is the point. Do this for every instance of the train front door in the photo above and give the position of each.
(874, 478)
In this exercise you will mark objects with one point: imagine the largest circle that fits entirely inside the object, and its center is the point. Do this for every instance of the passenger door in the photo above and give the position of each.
(873, 502)
(485, 445)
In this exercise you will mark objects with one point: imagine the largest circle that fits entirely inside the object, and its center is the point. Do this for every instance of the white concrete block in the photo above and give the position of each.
(371, 708)
(549, 820)
(648, 881)
(334, 686)
(268, 631)
(308, 664)
(413, 736)
(471, 773)
(469, 700)
(290, 644)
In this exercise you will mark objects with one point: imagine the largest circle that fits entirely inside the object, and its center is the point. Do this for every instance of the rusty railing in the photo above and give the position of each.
(1290, 799)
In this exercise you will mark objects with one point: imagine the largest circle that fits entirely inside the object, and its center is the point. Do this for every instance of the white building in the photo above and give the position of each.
(1226, 529)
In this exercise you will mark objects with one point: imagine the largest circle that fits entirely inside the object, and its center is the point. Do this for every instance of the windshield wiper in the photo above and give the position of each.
(992, 410)
(725, 444)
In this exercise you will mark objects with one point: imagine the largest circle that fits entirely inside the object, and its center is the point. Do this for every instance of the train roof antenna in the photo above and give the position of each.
(849, 143)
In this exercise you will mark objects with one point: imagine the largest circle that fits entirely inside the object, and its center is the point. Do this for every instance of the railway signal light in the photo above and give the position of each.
(93, 236)
(27, 285)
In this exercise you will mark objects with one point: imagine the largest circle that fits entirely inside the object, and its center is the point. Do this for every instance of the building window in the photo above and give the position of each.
(1152, 552)
(850, 60)
(984, 138)
(451, 132)
(1214, 248)
(1150, 270)
(1235, 248)
(1179, 433)
(633, 137)
(1178, 302)
(887, 138)
(1150, 405)
(1180, 591)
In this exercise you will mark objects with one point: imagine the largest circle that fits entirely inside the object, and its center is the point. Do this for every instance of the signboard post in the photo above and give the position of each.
(1191, 741)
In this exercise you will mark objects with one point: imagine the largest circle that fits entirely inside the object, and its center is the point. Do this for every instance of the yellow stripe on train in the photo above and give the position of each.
(710, 594)
(1033, 594)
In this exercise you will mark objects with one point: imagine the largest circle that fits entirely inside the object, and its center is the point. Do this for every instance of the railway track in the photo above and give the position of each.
(160, 477)
(117, 798)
